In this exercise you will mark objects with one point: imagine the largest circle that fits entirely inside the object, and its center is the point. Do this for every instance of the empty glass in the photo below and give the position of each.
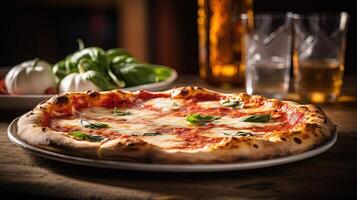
(319, 52)
(268, 47)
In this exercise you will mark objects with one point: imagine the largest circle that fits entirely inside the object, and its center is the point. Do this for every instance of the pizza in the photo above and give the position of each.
(181, 125)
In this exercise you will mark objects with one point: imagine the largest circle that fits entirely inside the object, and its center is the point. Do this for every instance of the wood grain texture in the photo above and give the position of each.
(329, 175)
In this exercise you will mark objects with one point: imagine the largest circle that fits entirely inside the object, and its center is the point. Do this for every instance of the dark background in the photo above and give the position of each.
(48, 29)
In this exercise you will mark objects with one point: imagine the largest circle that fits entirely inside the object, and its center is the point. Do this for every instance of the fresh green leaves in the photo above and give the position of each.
(240, 133)
(200, 119)
(96, 125)
(232, 103)
(82, 136)
(257, 118)
(137, 74)
(99, 80)
(151, 134)
(117, 112)
(115, 68)
(162, 73)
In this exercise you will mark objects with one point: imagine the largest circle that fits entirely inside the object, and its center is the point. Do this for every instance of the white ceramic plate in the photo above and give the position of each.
(26, 102)
(135, 166)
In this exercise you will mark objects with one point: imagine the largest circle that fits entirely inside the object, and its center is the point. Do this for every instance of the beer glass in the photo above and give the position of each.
(318, 58)
(268, 49)
(220, 46)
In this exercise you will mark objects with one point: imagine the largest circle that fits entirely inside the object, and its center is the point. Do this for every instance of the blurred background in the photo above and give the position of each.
(156, 31)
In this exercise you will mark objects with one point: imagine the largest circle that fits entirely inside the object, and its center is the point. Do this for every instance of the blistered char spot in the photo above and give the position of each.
(255, 146)
(297, 140)
(93, 94)
(283, 139)
(44, 129)
(62, 99)
(184, 92)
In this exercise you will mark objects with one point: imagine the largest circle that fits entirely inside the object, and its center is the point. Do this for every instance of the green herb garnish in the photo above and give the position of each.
(240, 133)
(232, 103)
(82, 136)
(257, 118)
(200, 119)
(97, 125)
(151, 134)
(117, 112)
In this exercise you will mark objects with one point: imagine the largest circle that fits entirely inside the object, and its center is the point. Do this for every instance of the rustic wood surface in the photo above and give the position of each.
(332, 174)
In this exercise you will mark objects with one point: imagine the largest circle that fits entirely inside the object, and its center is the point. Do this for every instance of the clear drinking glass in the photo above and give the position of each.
(268, 47)
(319, 52)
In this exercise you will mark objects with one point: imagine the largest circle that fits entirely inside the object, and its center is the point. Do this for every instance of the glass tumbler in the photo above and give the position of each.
(268, 49)
(319, 52)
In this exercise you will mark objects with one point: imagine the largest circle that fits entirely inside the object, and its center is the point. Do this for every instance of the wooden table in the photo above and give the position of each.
(331, 174)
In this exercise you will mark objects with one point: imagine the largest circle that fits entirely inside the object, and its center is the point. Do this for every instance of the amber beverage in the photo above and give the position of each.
(319, 80)
(319, 54)
(220, 40)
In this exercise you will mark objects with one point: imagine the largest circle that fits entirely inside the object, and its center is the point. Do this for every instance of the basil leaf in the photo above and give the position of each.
(232, 103)
(97, 125)
(151, 134)
(257, 118)
(240, 133)
(117, 112)
(82, 136)
(201, 119)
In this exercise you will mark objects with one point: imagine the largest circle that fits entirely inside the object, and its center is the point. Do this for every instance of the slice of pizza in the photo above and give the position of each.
(181, 125)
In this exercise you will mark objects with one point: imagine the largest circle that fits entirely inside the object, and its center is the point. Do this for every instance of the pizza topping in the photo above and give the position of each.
(117, 112)
(240, 133)
(83, 136)
(96, 125)
(257, 118)
(201, 119)
(151, 134)
(164, 104)
(232, 103)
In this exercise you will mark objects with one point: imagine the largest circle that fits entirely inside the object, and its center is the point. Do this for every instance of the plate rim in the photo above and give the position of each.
(152, 167)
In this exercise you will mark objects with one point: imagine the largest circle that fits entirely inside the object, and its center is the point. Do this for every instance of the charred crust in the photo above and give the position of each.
(44, 129)
(42, 102)
(283, 139)
(256, 146)
(297, 140)
(304, 108)
(93, 94)
(61, 99)
(184, 92)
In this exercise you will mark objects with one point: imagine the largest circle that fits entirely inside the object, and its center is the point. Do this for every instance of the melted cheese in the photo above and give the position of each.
(210, 104)
(171, 121)
(165, 104)
(158, 114)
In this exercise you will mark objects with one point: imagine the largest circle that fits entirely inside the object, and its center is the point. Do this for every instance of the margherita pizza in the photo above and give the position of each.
(181, 125)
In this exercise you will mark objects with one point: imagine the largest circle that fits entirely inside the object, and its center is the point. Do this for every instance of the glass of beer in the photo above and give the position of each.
(318, 56)
(268, 49)
(220, 46)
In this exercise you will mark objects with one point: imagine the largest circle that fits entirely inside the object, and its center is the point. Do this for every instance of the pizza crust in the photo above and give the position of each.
(316, 130)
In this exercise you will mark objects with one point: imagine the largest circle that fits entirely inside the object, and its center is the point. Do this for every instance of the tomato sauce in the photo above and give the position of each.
(145, 95)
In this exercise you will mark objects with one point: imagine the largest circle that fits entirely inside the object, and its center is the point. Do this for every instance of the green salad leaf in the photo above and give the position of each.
(201, 119)
(97, 125)
(83, 136)
(151, 134)
(111, 69)
(240, 133)
(257, 118)
(232, 103)
(117, 112)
